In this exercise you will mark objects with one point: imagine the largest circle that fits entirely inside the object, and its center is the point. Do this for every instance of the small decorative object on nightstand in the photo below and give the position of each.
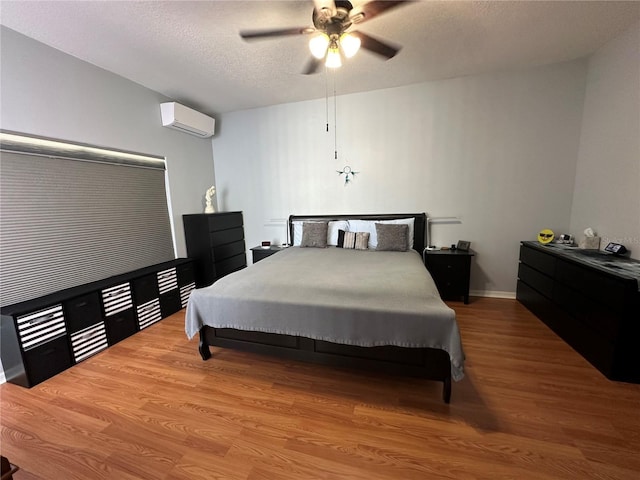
(262, 252)
(450, 270)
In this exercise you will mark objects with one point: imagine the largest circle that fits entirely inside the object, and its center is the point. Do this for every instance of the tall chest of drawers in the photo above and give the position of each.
(215, 242)
(44, 336)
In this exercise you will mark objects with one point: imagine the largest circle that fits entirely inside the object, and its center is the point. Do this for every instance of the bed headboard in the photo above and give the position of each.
(419, 225)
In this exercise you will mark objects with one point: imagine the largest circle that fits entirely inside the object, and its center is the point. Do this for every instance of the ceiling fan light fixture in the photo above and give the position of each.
(350, 44)
(318, 45)
(333, 57)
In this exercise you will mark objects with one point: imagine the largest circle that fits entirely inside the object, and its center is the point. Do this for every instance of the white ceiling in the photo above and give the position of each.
(191, 51)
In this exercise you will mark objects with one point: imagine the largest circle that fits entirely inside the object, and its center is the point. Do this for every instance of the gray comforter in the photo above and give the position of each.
(355, 297)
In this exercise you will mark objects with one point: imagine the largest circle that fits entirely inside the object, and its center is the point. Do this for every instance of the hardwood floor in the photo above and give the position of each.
(150, 408)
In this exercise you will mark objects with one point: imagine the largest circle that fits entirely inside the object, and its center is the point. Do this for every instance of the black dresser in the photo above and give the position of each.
(46, 335)
(588, 298)
(215, 242)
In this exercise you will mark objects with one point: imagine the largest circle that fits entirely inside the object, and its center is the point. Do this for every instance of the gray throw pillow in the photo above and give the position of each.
(392, 236)
(314, 234)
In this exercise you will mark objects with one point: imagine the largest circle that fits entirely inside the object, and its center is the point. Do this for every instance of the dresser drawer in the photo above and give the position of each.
(82, 312)
(230, 265)
(536, 279)
(167, 280)
(39, 327)
(117, 299)
(224, 222)
(543, 262)
(88, 342)
(229, 250)
(47, 360)
(149, 313)
(593, 315)
(226, 236)
(612, 292)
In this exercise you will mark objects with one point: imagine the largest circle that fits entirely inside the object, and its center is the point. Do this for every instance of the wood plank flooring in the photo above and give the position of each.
(149, 408)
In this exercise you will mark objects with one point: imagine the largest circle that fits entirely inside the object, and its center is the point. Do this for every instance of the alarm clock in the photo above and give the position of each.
(615, 248)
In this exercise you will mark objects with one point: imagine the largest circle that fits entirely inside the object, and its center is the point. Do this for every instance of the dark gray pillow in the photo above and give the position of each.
(314, 234)
(392, 236)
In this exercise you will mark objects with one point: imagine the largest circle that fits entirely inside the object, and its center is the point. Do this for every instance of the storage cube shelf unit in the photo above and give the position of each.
(44, 336)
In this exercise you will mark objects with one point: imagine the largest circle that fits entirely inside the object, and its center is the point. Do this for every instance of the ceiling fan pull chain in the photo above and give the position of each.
(326, 95)
(335, 117)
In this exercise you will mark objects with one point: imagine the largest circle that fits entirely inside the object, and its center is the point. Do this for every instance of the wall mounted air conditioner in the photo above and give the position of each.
(187, 120)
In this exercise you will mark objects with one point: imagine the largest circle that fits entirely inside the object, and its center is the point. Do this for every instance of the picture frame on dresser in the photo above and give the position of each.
(463, 245)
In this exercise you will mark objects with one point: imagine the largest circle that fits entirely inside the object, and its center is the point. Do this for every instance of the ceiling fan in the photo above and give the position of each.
(331, 34)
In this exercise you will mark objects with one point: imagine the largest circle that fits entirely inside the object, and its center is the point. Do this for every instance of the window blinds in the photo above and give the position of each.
(73, 216)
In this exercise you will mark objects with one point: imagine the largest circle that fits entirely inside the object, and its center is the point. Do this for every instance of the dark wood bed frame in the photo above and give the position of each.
(430, 363)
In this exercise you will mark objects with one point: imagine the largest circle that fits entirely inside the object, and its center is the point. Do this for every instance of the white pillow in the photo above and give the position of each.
(297, 233)
(332, 231)
(370, 226)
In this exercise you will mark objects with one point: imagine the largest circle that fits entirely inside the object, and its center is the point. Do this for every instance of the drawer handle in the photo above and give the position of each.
(117, 292)
(146, 309)
(48, 352)
(81, 304)
(86, 336)
(449, 266)
(36, 321)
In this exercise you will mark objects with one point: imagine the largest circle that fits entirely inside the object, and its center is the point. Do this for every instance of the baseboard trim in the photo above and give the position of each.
(492, 294)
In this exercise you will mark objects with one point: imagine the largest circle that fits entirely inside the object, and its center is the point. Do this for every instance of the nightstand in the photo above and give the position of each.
(450, 270)
(260, 253)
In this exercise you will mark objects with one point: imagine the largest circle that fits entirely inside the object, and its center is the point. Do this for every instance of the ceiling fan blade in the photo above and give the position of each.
(376, 46)
(374, 8)
(313, 65)
(258, 34)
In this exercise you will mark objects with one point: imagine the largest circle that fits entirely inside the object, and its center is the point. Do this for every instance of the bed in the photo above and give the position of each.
(370, 306)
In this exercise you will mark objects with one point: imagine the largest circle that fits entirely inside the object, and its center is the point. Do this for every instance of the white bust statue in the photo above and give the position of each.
(210, 193)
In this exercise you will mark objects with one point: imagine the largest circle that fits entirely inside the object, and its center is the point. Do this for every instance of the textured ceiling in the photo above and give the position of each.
(192, 53)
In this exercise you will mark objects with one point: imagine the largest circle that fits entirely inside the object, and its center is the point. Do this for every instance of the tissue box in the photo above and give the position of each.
(589, 243)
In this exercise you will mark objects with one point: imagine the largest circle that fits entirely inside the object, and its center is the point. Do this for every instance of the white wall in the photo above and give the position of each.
(46, 92)
(498, 151)
(607, 192)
